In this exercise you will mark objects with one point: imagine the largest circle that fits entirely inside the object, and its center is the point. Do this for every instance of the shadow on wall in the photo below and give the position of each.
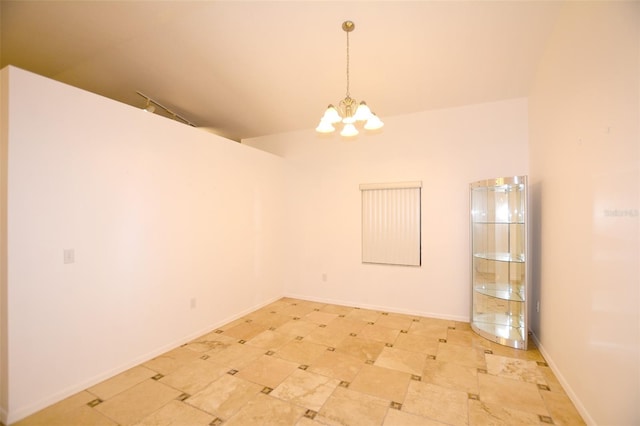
(535, 220)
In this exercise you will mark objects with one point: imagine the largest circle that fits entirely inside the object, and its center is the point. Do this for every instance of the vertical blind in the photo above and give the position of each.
(391, 223)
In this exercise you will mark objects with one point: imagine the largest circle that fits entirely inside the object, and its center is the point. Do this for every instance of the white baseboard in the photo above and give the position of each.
(22, 412)
(378, 307)
(565, 385)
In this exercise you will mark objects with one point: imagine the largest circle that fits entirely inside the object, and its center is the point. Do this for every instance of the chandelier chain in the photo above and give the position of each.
(348, 95)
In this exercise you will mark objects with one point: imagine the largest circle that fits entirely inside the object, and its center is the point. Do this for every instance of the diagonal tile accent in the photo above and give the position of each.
(306, 389)
(300, 362)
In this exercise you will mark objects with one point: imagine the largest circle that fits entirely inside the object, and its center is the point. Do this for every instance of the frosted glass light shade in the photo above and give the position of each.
(331, 115)
(373, 123)
(363, 112)
(349, 130)
(325, 127)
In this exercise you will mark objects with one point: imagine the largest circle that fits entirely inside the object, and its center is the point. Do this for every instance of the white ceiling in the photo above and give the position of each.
(252, 68)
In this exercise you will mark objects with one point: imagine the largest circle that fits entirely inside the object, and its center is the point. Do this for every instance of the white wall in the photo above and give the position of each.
(584, 170)
(158, 214)
(446, 150)
(4, 138)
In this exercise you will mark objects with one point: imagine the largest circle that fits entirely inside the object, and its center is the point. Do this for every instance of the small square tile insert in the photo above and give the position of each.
(94, 402)
(445, 374)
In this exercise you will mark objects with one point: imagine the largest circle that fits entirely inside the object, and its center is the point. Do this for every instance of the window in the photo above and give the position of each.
(391, 223)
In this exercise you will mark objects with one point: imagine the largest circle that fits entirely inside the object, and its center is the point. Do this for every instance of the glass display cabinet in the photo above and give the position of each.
(499, 272)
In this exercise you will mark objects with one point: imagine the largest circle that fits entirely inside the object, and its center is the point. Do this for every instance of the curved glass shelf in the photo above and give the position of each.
(499, 269)
(507, 335)
(508, 222)
(504, 291)
(501, 257)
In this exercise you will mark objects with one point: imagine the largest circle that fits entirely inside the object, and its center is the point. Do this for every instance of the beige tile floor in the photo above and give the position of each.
(304, 363)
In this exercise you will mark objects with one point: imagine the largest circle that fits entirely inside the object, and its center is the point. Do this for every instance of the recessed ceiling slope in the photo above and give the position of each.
(247, 69)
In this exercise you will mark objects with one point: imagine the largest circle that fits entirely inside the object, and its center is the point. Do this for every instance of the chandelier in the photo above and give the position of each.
(349, 112)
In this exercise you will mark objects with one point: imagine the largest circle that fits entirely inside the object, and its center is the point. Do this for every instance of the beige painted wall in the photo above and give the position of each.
(585, 179)
(4, 141)
(446, 150)
(159, 215)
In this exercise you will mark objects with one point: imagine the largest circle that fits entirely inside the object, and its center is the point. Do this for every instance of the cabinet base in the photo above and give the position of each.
(502, 334)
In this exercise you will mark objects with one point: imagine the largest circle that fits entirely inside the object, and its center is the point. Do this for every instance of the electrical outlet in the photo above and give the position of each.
(193, 303)
(68, 256)
(538, 306)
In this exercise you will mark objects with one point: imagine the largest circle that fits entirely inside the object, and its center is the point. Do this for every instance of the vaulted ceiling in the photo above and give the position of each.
(251, 68)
